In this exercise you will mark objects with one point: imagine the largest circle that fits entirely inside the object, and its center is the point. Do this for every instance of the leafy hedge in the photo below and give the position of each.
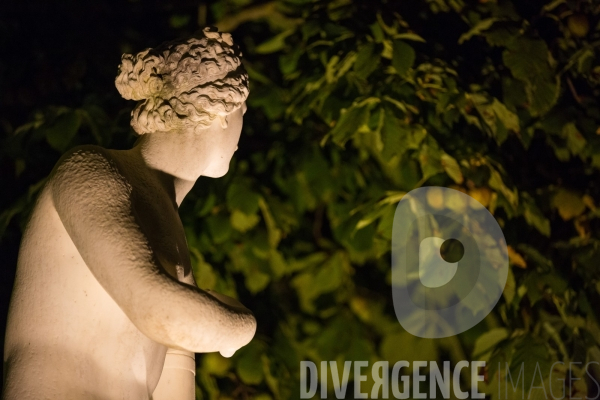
(352, 105)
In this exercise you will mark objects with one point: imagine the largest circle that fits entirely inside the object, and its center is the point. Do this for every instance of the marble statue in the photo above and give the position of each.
(104, 296)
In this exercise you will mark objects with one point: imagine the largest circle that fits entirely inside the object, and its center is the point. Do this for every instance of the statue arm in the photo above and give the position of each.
(93, 201)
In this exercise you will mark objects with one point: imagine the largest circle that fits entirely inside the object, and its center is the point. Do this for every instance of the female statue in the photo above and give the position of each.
(104, 295)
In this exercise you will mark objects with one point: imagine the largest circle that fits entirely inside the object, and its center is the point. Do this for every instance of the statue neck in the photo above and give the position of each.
(180, 156)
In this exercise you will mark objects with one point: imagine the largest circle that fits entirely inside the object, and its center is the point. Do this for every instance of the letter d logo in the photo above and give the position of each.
(449, 262)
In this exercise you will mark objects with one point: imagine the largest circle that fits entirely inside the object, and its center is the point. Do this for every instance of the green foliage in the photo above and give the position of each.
(351, 106)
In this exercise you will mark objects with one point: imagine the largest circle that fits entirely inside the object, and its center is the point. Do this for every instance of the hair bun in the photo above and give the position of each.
(139, 75)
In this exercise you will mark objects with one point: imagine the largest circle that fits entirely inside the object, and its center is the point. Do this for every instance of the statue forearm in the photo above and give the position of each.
(187, 318)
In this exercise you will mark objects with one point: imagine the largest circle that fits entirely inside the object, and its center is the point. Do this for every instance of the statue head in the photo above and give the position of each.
(196, 87)
(184, 84)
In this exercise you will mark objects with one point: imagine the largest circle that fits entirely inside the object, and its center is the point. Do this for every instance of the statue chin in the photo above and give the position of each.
(105, 304)
(216, 172)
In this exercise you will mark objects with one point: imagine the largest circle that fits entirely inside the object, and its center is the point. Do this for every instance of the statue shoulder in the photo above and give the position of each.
(91, 172)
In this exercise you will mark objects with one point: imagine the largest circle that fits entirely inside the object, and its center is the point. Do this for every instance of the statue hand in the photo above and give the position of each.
(244, 337)
(227, 353)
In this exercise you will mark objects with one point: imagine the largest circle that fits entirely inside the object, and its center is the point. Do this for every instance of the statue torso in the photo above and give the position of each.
(66, 337)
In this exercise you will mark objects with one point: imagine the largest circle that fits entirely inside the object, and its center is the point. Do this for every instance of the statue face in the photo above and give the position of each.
(225, 143)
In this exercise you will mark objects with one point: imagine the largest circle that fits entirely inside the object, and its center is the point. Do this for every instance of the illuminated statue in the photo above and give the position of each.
(104, 294)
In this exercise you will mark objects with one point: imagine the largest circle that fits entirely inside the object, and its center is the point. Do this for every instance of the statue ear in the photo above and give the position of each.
(223, 119)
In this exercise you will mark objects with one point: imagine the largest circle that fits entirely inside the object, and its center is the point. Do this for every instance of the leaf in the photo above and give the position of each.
(274, 44)
(256, 281)
(399, 105)
(272, 380)
(377, 32)
(535, 256)
(515, 258)
(452, 168)
(528, 60)
(269, 98)
(204, 206)
(350, 121)
(273, 231)
(309, 29)
(501, 35)
(370, 217)
(477, 29)
(409, 36)
(576, 143)
(277, 263)
(398, 137)
(496, 116)
(486, 343)
(338, 9)
(216, 364)
(289, 61)
(508, 119)
(394, 135)
(328, 277)
(247, 366)
(9, 213)
(537, 283)
(510, 289)
(403, 57)
(534, 217)
(552, 5)
(430, 160)
(543, 94)
(336, 337)
(514, 94)
(498, 185)
(392, 197)
(63, 130)
(331, 274)
(337, 68)
(241, 197)
(243, 222)
(529, 355)
(568, 203)
(204, 274)
(584, 61)
(483, 195)
(219, 228)
(330, 69)
(367, 60)
(255, 75)
(307, 262)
